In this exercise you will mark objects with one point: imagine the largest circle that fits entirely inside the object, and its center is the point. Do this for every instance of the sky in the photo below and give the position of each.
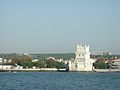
(57, 26)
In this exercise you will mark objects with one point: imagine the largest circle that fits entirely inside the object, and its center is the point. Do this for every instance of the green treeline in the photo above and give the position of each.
(26, 62)
(101, 63)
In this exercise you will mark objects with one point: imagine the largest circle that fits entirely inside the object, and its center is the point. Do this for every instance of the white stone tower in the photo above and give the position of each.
(82, 61)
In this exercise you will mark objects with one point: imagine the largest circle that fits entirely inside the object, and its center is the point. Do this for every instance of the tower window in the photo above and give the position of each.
(76, 66)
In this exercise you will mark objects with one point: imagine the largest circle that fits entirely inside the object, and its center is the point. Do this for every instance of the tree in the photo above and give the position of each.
(54, 64)
(100, 63)
(23, 60)
(60, 65)
(50, 63)
(40, 64)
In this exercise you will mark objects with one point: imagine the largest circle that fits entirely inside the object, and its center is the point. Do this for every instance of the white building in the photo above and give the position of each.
(6, 66)
(60, 60)
(35, 60)
(18, 67)
(4, 60)
(82, 61)
(1, 60)
(51, 58)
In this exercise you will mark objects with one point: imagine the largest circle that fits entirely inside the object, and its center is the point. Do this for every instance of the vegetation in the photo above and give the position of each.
(23, 60)
(26, 62)
(40, 64)
(100, 63)
(54, 64)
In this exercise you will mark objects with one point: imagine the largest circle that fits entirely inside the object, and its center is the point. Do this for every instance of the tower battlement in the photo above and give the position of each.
(82, 48)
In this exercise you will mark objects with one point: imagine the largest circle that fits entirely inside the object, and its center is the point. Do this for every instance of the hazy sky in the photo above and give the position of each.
(56, 26)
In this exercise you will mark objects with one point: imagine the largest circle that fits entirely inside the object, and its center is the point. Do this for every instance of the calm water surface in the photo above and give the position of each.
(59, 81)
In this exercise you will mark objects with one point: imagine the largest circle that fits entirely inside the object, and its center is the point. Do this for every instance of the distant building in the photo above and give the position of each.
(18, 67)
(50, 58)
(35, 60)
(4, 60)
(10, 60)
(106, 53)
(100, 53)
(115, 64)
(1, 60)
(82, 61)
(97, 53)
(60, 60)
(6, 66)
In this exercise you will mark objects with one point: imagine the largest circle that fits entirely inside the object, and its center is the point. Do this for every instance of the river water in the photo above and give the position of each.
(59, 81)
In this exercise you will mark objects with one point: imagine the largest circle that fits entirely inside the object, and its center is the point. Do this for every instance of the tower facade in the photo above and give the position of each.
(82, 61)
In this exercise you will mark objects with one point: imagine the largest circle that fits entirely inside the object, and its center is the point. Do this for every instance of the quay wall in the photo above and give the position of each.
(106, 70)
(32, 70)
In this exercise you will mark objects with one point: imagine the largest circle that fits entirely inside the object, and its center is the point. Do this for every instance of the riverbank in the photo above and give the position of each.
(33, 70)
(54, 70)
(106, 70)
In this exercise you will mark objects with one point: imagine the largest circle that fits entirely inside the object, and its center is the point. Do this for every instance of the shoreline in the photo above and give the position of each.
(106, 70)
(34, 70)
(56, 70)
